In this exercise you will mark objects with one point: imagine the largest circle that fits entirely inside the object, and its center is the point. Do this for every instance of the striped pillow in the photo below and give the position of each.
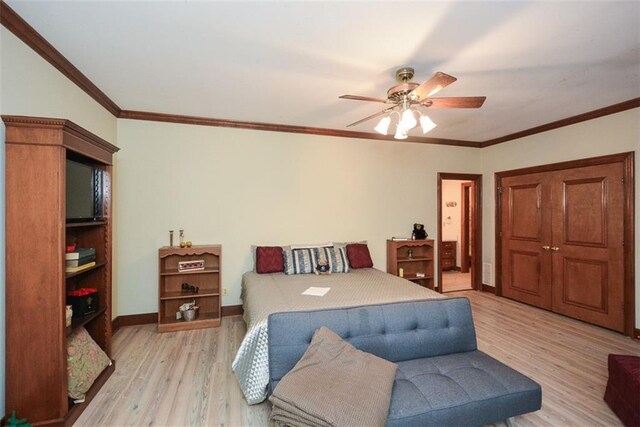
(299, 261)
(336, 258)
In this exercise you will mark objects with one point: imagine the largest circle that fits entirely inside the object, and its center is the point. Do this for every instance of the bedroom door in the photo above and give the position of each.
(466, 225)
(562, 242)
(587, 252)
(526, 237)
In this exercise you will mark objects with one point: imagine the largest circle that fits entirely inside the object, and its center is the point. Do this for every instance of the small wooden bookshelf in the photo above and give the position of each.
(414, 257)
(170, 293)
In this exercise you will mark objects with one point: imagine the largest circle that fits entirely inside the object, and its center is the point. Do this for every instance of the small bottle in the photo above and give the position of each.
(170, 238)
(410, 254)
(182, 242)
(401, 272)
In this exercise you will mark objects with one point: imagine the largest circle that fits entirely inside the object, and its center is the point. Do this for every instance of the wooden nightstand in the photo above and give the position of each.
(449, 255)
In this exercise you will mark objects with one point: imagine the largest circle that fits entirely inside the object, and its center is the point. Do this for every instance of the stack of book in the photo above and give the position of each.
(80, 259)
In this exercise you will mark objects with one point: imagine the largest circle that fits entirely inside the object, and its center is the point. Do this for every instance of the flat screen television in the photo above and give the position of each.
(83, 192)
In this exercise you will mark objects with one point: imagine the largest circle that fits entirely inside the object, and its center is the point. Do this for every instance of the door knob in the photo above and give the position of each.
(546, 248)
(555, 249)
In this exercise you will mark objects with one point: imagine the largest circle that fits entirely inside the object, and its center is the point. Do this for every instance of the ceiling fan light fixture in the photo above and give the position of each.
(426, 123)
(383, 125)
(408, 120)
(407, 94)
(401, 133)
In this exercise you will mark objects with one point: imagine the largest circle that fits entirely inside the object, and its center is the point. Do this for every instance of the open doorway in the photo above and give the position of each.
(459, 234)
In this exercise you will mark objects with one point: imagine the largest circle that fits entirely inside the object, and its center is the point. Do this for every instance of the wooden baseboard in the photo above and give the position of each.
(232, 310)
(490, 289)
(147, 318)
(133, 319)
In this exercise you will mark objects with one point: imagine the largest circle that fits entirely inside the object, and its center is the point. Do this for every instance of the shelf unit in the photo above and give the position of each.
(420, 261)
(36, 281)
(171, 296)
(448, 256)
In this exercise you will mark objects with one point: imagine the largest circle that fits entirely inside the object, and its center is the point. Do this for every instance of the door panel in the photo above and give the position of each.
(585, 284)
(585, 212)
(588, 260)
(525, 215)
(525, 272)
(526, 225)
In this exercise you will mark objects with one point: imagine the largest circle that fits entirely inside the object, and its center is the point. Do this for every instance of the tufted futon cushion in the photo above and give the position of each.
(459, 389)
(442, 378)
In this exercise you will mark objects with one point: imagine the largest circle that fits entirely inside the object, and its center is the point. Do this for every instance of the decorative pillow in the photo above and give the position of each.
(336, 258)
(269, 259)
(85, 362)
(311, 246)
(299, 261)
(339, 245)
(359, 256)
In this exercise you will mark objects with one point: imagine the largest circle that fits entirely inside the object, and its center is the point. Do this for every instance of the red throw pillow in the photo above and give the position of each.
(359, 256)
(269, 259)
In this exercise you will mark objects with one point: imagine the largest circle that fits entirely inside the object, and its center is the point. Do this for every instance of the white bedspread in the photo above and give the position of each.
(263, 294)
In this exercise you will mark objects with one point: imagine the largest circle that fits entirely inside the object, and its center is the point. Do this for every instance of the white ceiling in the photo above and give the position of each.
(287, 62)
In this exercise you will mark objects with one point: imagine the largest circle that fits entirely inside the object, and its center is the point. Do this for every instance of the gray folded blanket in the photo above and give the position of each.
(334, 384)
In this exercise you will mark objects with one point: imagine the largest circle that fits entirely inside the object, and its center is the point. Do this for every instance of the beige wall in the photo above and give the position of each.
(33, 87)
(30, 86)
(616, 133)
(239, 188)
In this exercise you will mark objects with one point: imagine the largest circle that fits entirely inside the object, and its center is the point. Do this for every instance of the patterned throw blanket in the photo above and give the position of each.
(263, 294)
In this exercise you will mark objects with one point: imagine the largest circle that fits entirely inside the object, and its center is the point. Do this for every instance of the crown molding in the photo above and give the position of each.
(611, 109)
(271, 127)
(64, 125)
(25, 32)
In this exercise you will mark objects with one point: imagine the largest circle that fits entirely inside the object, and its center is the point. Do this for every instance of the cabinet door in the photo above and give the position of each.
(526, 237)
(587, 252)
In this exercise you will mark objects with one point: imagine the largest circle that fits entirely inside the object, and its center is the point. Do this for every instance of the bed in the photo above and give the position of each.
(263, 294)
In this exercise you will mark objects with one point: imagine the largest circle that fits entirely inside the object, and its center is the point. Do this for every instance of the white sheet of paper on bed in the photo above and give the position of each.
(317, 292)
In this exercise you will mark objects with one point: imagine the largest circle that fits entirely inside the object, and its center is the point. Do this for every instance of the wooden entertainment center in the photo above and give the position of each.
(37, 232)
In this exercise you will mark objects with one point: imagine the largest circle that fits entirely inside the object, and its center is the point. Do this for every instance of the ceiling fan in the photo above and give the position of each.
(406, 95)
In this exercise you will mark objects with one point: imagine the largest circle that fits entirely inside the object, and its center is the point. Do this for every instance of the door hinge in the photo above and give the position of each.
(499, 190)
(622, 179)
(501, 234)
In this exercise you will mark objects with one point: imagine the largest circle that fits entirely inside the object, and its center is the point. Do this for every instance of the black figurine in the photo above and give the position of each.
(419, 233)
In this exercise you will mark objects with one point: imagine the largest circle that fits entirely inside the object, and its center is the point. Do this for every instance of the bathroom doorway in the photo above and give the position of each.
(459, 236)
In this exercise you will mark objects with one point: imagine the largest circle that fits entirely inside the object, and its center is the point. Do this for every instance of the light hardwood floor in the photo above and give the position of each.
(185, 378)
(453, 281)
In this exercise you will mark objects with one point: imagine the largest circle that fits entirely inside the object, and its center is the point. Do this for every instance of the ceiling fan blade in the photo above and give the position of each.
(461, 102)
(373, 116)
(362, 98)
(433, 85)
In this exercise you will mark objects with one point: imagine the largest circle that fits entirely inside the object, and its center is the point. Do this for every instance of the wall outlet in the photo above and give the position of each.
(225, 292)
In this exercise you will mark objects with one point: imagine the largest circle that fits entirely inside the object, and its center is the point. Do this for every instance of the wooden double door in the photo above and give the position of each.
(562, 239)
